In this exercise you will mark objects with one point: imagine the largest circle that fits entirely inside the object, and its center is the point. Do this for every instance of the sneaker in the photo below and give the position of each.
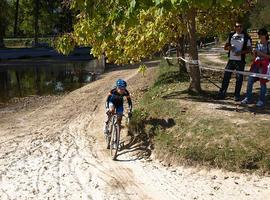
(259, 103)
(245, 101)
(220, 96)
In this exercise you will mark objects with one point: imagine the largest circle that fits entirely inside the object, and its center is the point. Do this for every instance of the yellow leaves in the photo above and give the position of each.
(122, 42)
(161, 37)
(148, 15)
(142, 69)
(64, 44)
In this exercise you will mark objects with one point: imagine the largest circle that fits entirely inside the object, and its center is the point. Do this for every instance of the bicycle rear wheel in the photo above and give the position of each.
(115, 139)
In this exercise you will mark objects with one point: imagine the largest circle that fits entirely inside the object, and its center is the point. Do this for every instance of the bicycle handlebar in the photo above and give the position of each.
(120, 115)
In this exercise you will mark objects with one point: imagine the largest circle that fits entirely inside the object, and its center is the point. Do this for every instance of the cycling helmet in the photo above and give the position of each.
(121, 83)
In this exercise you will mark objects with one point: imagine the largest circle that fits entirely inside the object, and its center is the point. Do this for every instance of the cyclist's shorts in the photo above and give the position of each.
(119, 109)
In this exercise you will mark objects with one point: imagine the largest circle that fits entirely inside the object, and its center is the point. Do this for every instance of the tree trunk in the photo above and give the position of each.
(70, 21)
(4, 85)
(1, 38)
(36, 11)
(3, 21)
(16, 19)
(38, 85)
(194, 72)
(18, 83)
(2, 32)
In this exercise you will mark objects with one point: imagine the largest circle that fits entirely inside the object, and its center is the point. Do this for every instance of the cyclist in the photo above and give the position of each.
(115, 101)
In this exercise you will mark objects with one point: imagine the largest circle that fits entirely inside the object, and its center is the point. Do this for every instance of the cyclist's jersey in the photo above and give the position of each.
(118, 99)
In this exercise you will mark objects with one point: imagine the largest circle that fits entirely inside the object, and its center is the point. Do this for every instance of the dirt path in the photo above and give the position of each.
(214, 55)
(56, 151)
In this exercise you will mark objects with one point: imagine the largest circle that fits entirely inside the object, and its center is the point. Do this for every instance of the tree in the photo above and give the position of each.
(16, 18)
(4, 7)
(36, 17)
(259, 15)
(191, 9)
(127, 31)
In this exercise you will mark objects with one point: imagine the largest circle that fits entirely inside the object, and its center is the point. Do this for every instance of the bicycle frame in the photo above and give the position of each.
(113, 138)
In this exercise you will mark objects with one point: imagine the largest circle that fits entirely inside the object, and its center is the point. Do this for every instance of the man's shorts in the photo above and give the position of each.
(119, 109)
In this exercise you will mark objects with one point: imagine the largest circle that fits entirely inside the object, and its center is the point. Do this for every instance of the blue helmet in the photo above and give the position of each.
(121, 83)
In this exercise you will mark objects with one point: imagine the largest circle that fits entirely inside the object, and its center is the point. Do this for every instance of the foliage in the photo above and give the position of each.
(64, 44)
(53, 17)
(260, 16)
(219, 22)
(142, 69)
(4, 13)
(126, 42)
(127, 31)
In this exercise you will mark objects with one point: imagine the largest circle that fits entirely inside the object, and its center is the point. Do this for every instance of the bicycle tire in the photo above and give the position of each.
(114, 143)
(108, 136)
(107, 140)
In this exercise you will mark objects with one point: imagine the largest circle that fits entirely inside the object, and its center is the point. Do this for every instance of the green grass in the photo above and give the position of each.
(224, 57)
(185, 135)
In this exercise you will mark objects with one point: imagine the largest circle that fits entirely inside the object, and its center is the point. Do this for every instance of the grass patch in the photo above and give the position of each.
(224, 57)
(181, 128)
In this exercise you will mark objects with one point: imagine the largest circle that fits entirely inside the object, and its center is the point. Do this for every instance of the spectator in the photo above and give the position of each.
(238, 44)
(259, 65)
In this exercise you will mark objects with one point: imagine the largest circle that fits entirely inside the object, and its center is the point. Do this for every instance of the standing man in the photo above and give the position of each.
(238, 44)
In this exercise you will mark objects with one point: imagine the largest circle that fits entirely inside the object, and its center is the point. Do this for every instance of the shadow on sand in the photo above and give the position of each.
(138, 144)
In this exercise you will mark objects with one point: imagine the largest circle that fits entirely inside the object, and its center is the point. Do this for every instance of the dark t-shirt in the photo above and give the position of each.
(118, 99)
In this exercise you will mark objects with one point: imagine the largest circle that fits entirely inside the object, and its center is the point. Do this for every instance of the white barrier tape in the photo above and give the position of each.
(172, 58)
(246, 73)
(194, 62)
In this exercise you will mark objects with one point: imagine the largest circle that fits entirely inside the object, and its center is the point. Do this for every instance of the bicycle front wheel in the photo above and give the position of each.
(107, 140)
(114, 143)
(108, 136)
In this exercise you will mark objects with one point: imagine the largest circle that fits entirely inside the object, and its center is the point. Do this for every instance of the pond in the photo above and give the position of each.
(25, 78)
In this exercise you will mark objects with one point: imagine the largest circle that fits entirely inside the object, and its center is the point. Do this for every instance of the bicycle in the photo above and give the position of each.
(112, 139)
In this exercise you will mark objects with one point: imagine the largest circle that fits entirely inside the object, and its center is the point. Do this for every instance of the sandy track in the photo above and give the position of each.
(56, 151)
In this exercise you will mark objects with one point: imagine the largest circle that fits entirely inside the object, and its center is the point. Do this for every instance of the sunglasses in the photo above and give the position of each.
(237, 26)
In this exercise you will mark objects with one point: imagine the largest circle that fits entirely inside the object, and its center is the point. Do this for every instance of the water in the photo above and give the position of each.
(42, 78)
